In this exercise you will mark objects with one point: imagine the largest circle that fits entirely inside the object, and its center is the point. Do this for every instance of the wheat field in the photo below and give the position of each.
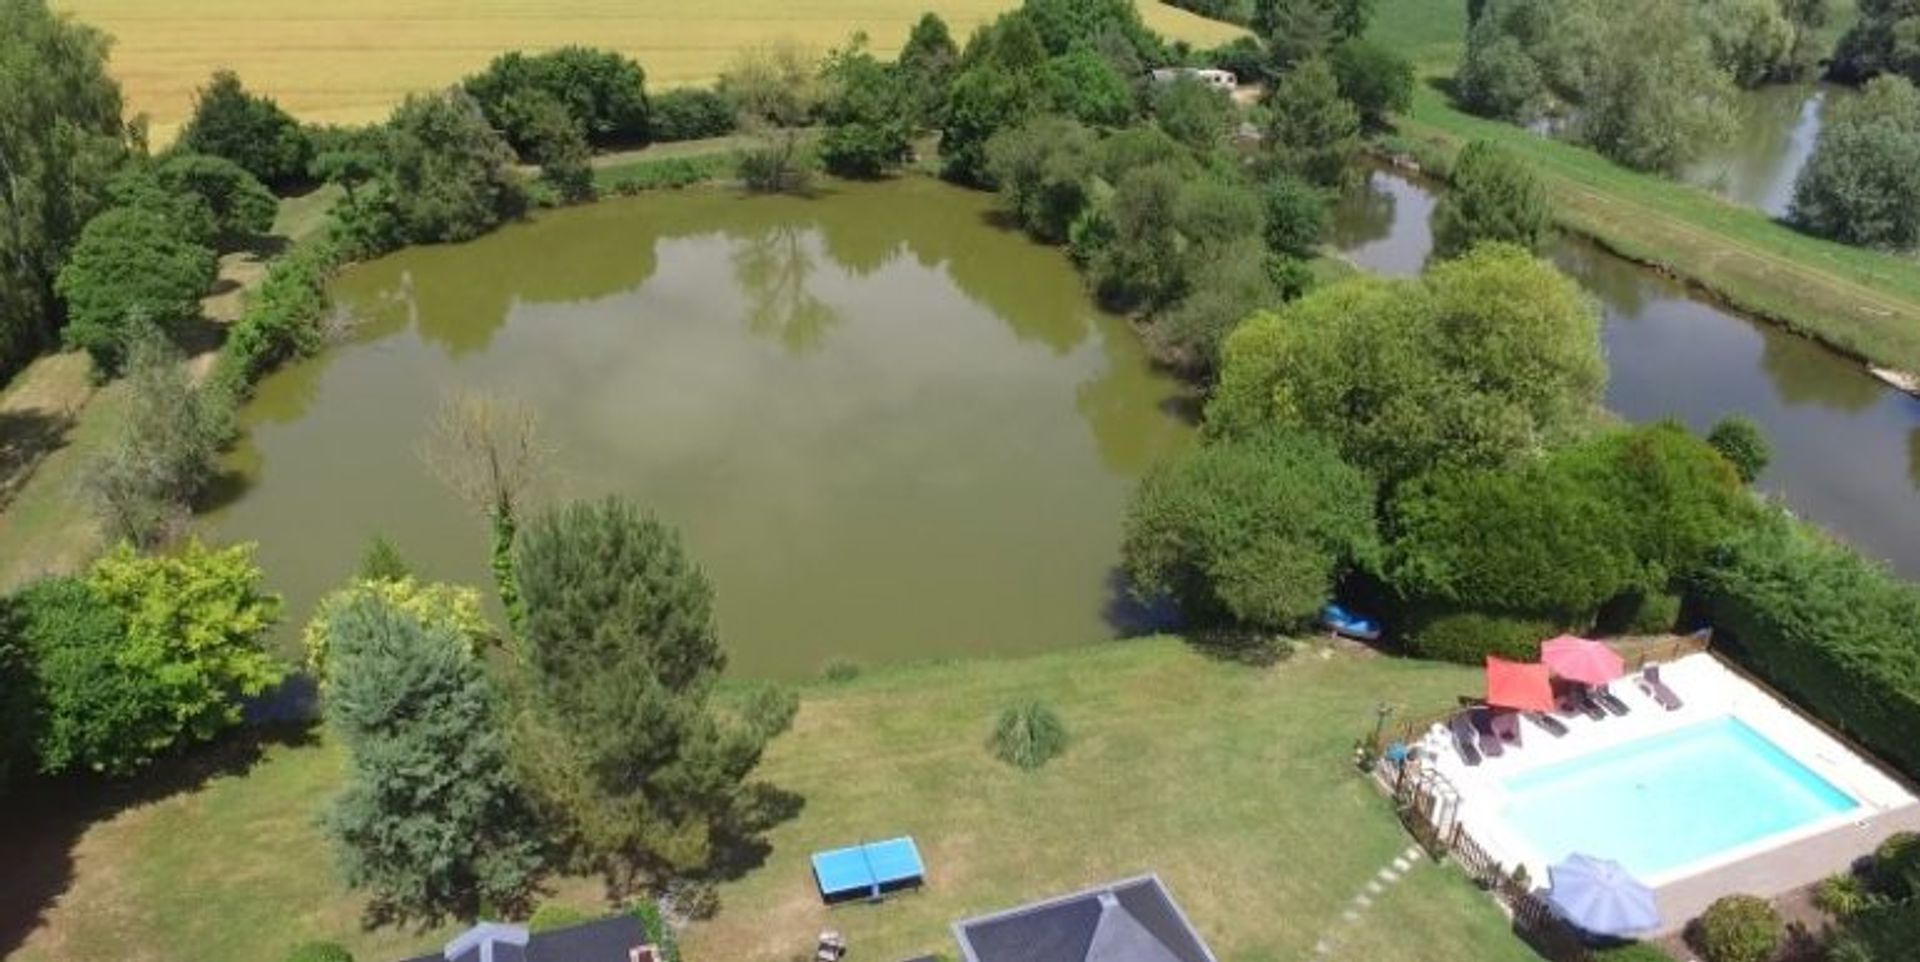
(349, 61)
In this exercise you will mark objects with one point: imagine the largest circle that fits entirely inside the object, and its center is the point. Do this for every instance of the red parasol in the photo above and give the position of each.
(1511, 684)
(1581, 660)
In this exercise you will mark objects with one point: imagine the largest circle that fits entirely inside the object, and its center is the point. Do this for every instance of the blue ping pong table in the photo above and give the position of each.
(868, 870)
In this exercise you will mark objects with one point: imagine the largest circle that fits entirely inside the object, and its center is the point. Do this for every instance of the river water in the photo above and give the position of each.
(1846, 447)
(1777, 129)
(886, 427)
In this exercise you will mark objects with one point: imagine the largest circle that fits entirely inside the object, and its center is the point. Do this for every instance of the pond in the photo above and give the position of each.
(887, 428)
(1846, 447)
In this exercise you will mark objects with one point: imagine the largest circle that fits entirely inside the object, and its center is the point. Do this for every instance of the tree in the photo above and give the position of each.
(1375, 80)
(1862, 184)
(617, 734)
(488, 450)
(1045, 170)
(1141, 265)
(1315, 132)
(867, 113)
(1494, 197)
(1885, 40)
(239, 206)
(1297, 216)
(1295, 31)
(690, 113)
(555, 140)
(145, 654)
(131, 266)
(382, 561)
(448, 174)
(431, 821)
(1192, 112)
(926, 64)
(1743, 444)
(1230, 283)
(1083, 86)
(1752, 40)
(251, 131)
(984, 99)
(601, 91)
(1253, 532)
(61, 139)
(1498, 78)
(1481, 362)
(142, 485)
(775, 91)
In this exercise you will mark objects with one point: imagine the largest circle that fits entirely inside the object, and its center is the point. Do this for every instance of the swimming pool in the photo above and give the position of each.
(1657, 804)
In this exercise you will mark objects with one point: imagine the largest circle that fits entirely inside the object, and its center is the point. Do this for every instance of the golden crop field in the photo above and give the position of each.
(350, 60)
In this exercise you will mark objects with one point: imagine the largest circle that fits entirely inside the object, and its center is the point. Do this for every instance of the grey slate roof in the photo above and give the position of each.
(604, 940)
(1135, 920)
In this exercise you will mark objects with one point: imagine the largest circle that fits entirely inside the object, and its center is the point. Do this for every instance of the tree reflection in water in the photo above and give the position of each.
(773, 266)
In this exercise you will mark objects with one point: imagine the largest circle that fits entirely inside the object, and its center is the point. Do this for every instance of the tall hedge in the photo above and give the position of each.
(1839, 633)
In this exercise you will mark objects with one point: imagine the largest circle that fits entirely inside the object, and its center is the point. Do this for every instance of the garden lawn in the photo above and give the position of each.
(350, 61)
(1862, 302)
(1233, 783)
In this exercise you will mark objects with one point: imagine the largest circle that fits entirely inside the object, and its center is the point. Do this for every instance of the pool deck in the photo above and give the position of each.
(1710, 690)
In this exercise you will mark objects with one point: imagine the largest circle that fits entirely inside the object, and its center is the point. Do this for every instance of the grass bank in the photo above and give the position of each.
(1232, 783)
(1863, 303)
(350, 61)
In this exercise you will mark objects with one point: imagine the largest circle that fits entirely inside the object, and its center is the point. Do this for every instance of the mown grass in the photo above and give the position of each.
(1232, 783)
(349, 61)
(1864, 303)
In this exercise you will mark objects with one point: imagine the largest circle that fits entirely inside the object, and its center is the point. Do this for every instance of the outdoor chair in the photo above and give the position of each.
(1657, 690)
(1490, 746)
(1461, 726)
(1608, 700)
(1553, 726)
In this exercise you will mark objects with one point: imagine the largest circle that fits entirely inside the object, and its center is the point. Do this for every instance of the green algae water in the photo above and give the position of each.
(887, 428)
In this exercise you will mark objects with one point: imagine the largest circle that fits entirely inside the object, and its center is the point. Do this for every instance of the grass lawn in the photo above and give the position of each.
(351, 60)
(1233, 783)
(1862, 302)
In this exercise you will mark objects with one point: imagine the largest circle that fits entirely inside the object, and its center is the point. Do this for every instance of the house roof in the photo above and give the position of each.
(604, 940)
(1135, 920)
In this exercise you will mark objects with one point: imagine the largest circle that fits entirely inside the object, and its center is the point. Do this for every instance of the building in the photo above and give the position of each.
(616, 938)
(1135, 920)
(1212, 77)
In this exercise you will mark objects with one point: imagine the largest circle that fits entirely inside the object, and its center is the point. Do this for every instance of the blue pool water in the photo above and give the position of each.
(1659, 803)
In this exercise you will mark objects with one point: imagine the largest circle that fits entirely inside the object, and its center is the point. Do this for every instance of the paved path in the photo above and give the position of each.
(1375, 887)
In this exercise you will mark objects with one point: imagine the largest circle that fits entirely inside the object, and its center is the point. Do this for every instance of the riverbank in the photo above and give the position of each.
(1862, 303)
(1232, 783)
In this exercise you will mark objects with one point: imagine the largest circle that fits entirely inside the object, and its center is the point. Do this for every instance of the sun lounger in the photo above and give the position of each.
(1505, 725)
(1657, 690)
(1461, 725)
(1483, 725)
(1573, 700)
(1608, 700)
(1550, 724)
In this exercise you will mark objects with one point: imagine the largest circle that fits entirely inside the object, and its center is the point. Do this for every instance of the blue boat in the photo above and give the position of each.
(1340, 621)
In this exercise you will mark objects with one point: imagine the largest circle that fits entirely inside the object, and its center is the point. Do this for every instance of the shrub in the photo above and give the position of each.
(131, 265)
(653, 923)
(1737, 928)
(691, 113)
(1743, 444)
(320, 952)
(456, 607)
(281, 320)
(1880, 933)
(1830, 628)
(866, 112)
(239, 204)
(1896, 866)
(1028, 735)
(162, 454)
(841, 670)
(1468, 637)
(1842, 896)
(1376, 80)
(1862, 184)
(603, 92)
(1495, 197)
(1642, 611)
(1632, 952)
(1297, 216)
(670, 173)
(557, 915)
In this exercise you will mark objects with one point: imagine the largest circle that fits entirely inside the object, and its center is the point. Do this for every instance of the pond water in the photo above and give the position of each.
(887, 428)
(1777, 129)
(1846, 447)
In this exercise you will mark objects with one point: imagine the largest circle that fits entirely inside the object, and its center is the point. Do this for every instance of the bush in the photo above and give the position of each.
(1374, 79)
(1468, 637)
(1896, 866)
(1842, 896)
(1823, 624)
(1880, 933)
(1737, 928)
(1297, 216)
(1028, 735)
(557, 915)
(281, 321)
(691, 113)
(143, 483)
(1743, 444)
(1632, 952)
(603, 92)
(1494, 197)
(841, 670)
(654, 924)
(866, 111)
(320, 952)
(671, 173)
(1643, 611)
(131, 265)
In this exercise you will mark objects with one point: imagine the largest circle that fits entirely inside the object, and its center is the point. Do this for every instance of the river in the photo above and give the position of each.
(1777, 129)
(1846, 447)
(886, 427)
